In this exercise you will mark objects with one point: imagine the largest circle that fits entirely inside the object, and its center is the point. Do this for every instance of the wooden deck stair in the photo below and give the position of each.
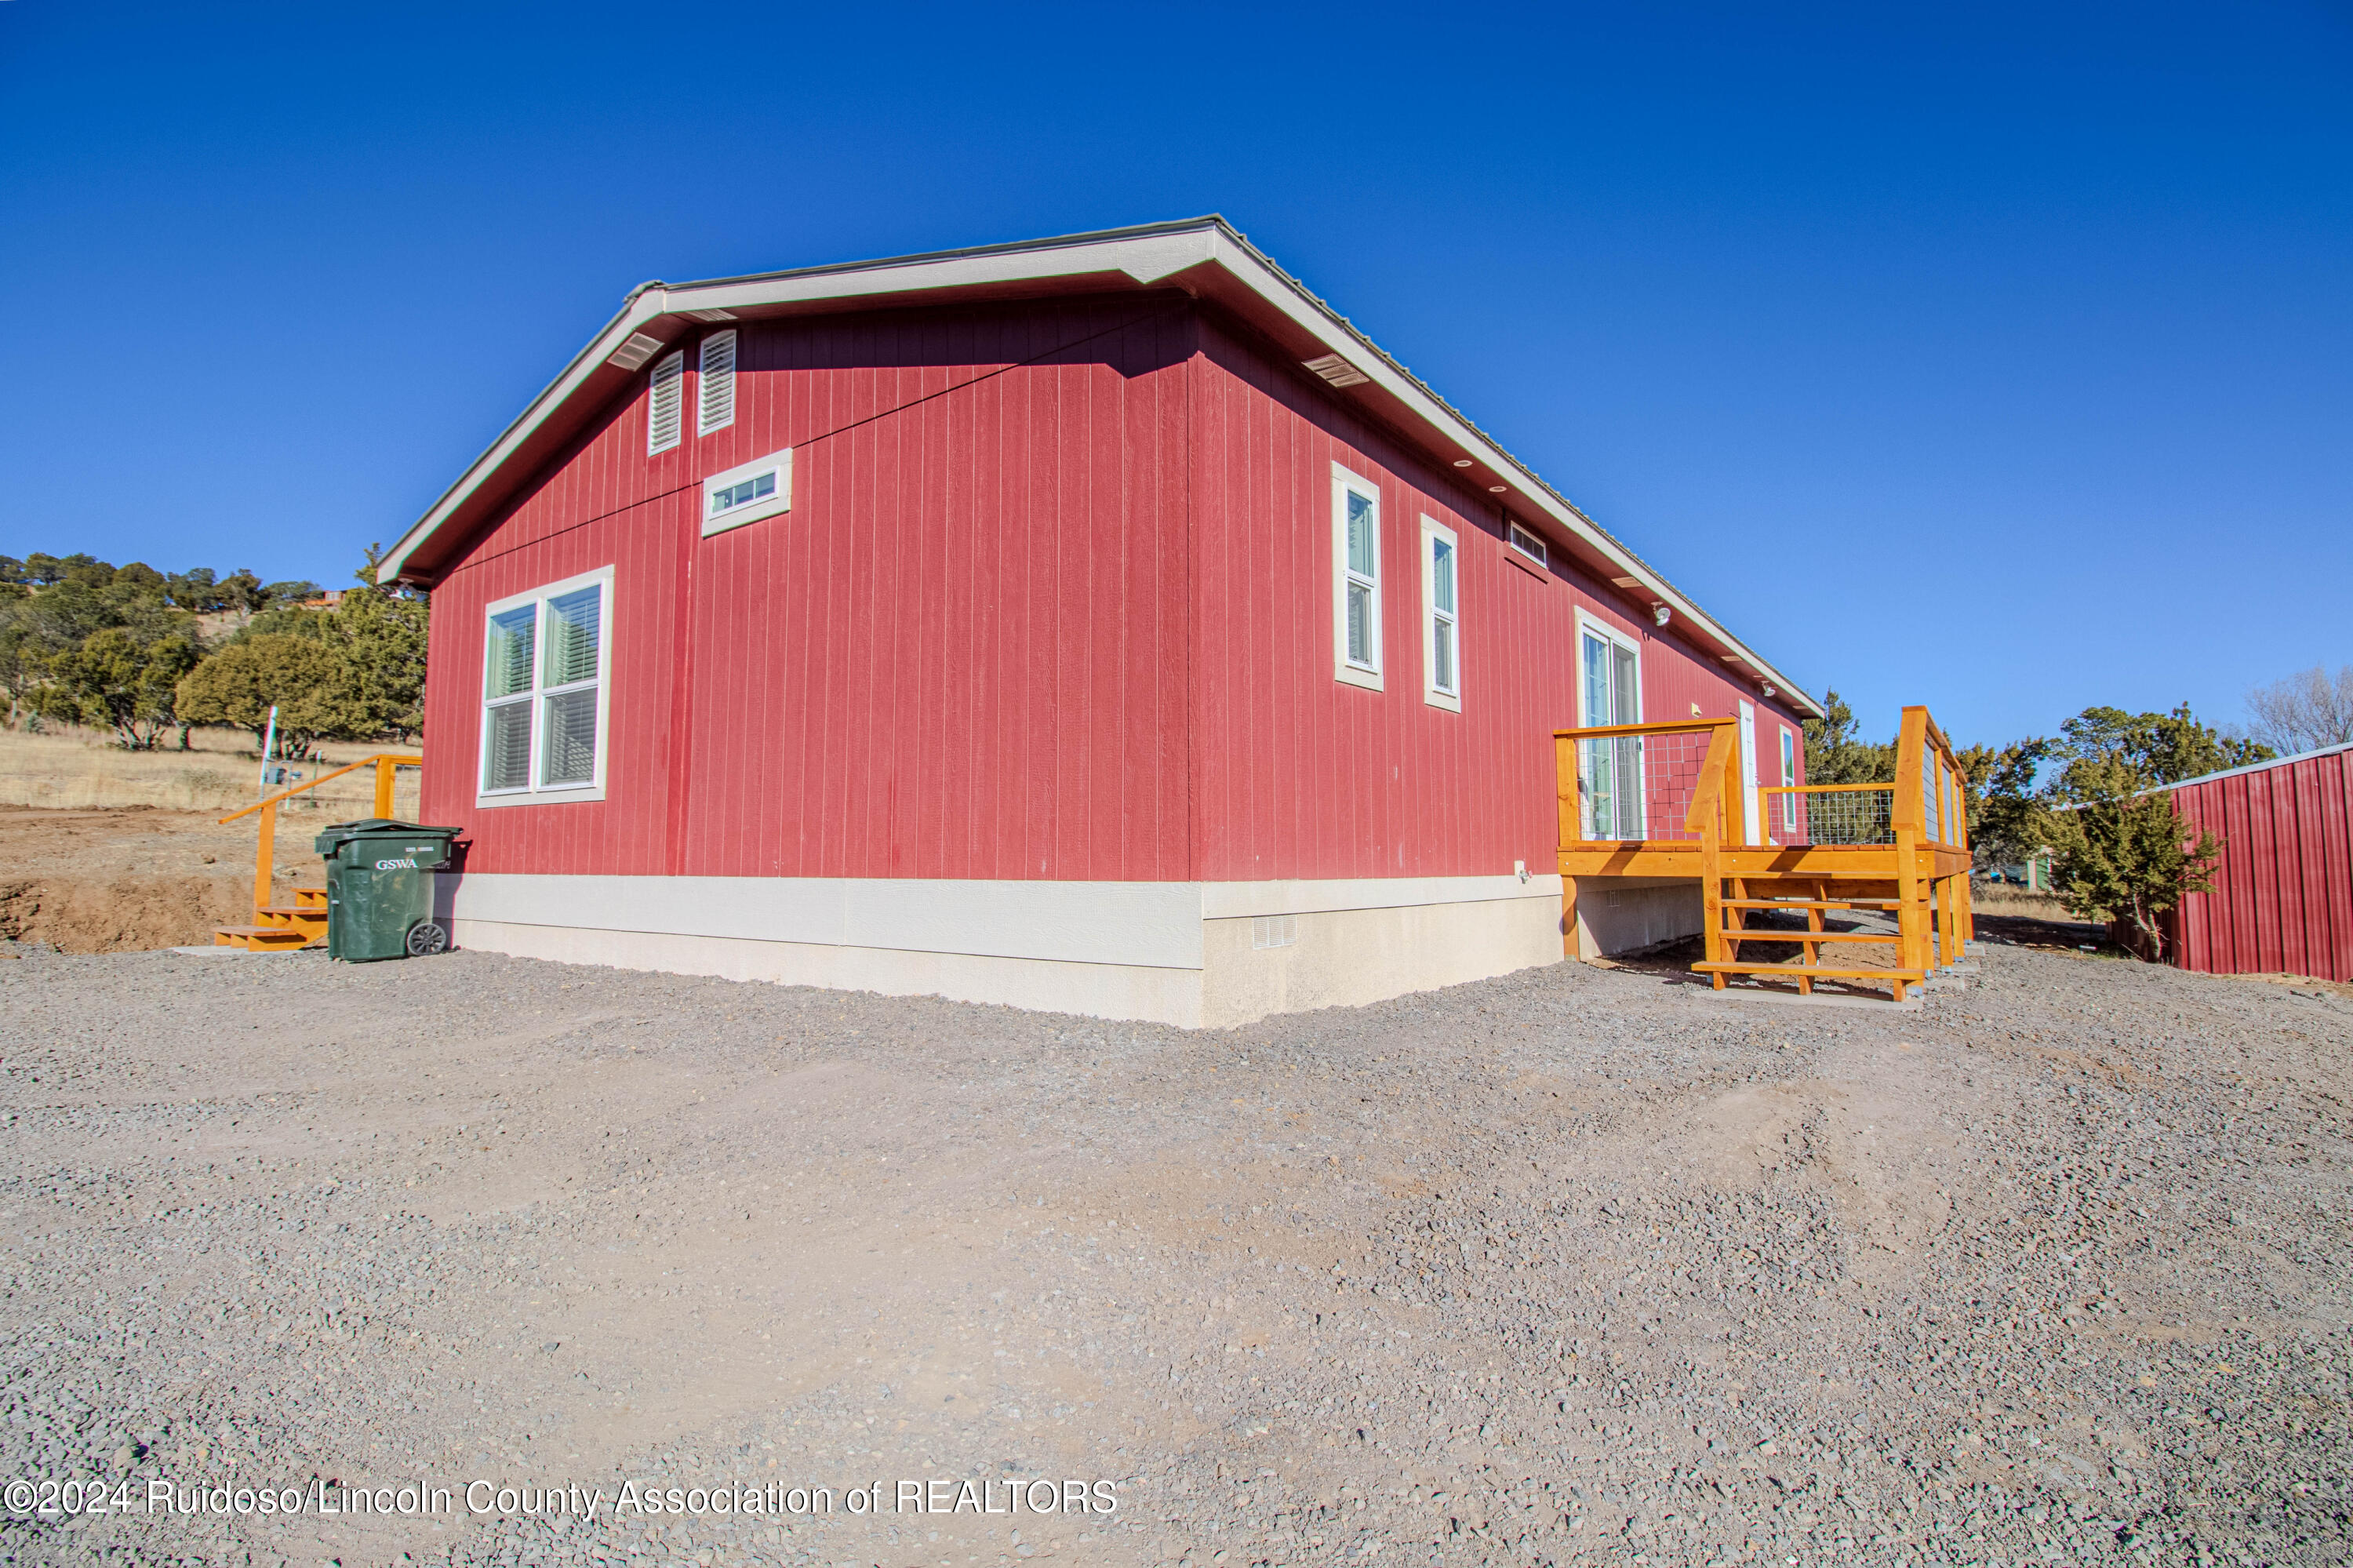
(284, 928)
(280, 927)
(1899, 848)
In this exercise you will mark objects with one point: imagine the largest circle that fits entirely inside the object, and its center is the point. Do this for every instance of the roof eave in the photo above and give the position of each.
(1205, 255)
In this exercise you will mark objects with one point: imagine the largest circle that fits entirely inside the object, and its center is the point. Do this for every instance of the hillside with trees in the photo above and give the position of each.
(147, 656)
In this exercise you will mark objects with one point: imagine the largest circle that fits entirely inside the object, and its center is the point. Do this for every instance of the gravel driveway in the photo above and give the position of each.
(1573, 1266)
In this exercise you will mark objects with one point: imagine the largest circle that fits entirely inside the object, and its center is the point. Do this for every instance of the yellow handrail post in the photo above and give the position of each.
(265, 851)
(1570, 790)
(1910, 824)
(1706, 818)
(385, 767)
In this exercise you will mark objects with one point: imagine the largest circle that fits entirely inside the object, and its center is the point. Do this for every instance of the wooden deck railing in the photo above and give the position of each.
(1673, 799)
(385, 763)
(1669, 761)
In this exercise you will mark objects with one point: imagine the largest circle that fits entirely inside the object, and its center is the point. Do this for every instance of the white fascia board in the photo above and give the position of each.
(634, 313)
(1148, 256)
(1313, 317)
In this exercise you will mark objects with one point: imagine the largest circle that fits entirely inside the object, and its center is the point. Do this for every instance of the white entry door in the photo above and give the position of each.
(1750, 814)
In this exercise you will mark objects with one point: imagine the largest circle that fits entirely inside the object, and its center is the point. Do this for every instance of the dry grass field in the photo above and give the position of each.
(79, 769)
(103, 850)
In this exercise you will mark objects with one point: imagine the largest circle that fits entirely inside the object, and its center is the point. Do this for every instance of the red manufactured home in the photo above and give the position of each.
(1100, 624)
(2282, 898)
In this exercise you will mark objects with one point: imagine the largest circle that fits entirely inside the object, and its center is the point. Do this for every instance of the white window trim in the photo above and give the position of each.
(779, 463)
(534, 793)
(669, 374)
(1587, 622)
(1434, 531)
(1789, 777)
(706, 384)
(1344, 669)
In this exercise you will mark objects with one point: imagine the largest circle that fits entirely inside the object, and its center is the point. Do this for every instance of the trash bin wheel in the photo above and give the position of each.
(425, 938)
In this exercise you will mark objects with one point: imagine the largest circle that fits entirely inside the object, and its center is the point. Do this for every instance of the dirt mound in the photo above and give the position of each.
(122, 879)
(125, 915)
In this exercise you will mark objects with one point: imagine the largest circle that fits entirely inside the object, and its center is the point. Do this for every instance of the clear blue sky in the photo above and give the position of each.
(1996, 357)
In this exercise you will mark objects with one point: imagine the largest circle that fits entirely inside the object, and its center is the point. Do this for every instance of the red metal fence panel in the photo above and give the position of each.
(2282, 898)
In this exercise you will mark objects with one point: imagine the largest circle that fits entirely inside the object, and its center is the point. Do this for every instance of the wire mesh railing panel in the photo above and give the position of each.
(1832, 816)
(1639, 786)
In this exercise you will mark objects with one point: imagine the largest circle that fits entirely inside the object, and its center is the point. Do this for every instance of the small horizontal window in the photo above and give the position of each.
(1526, 544)
(742, 495)
(748, 494)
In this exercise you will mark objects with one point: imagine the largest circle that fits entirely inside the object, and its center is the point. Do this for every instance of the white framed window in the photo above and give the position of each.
(666, 403)
(1789, 778)
(1442, 619)
(717, 383)
(546, 679)
(1610, 769)
(1526, 543)
(747, 493)
(1355, 579)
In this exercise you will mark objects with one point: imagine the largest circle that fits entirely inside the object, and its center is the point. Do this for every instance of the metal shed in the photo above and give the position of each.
(2282, 898)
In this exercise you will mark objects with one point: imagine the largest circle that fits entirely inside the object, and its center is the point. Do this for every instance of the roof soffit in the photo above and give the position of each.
(1203, 257)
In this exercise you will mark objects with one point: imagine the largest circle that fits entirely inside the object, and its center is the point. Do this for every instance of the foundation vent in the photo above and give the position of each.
(1273, 930)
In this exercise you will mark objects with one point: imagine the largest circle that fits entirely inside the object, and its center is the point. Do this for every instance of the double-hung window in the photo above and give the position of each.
(1610, 669)
(1441, 624)
(1355, 579)
(546, 666)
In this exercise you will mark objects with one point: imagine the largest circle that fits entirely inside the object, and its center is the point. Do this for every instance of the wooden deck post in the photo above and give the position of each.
(265, 850)
(1571, 802)
(384, 771)
(1949, 922)
(1909, 818)
(1710, 900)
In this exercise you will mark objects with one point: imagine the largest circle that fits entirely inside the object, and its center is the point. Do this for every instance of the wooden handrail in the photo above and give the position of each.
(1666, 726)
(397, 759)
(265, 849)
(1707, 792)
(1816, 789)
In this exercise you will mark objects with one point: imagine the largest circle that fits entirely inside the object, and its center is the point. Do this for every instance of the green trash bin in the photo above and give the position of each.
(380, 889)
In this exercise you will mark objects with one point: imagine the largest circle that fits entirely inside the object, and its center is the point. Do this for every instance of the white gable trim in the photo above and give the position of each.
(1148, 256)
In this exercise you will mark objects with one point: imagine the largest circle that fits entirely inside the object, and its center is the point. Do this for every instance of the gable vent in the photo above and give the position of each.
(634, 351)
(1337, 371)
(718, 382)
(712, 315)
(666, 404)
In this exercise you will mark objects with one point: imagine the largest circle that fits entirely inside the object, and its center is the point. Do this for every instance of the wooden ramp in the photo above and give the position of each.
(1673, 801)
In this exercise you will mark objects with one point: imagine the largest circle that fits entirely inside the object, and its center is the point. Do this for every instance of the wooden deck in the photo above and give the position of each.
(1673, 801)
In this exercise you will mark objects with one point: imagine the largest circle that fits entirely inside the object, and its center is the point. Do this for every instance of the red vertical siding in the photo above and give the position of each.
(961, 654)
(1053, 601)
(1302, 776)
(2282, 898)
